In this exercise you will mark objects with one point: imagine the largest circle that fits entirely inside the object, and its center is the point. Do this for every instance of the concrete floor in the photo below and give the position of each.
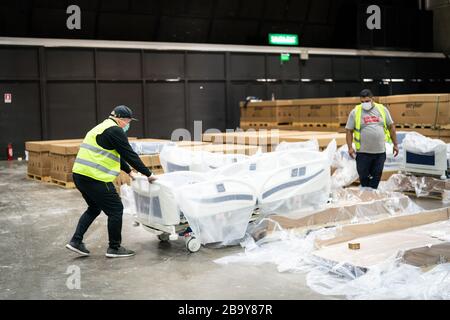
(37, 220)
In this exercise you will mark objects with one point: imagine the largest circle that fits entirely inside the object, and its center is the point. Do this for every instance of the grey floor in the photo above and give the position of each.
(36, 221)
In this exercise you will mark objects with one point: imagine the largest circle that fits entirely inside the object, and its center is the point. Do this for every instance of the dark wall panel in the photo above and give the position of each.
(247, 66)
(71, 109)
(375, 68)
(317, 68)
(283, 91)
(315, 89)
(163, 65)
(206, 66)
(207, 104)
(347, 89)
(17, 63)
(346, 68)
(70, 64)
(121, 65)
(129, 94)
(21, 120)
(403, 68)
(165, 109)
(286, 70)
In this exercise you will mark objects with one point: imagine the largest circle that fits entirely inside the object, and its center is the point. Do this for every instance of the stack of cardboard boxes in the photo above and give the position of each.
(428, 114)
(39, 161)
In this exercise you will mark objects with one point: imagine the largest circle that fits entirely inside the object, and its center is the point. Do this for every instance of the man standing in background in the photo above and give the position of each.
(370, 126)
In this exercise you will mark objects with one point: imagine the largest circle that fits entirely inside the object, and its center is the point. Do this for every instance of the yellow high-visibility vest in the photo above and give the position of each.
(357, 130)
(95, 162)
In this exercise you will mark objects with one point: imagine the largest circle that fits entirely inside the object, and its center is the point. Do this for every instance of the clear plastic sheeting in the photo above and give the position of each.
(175, 159)
(389, 280)
(157, 203)
(218, 211)
(148, 148)
(311, 145)
(417, 143)
(345, 173)
(422, 186)
(286, 181)
(292, 252)
(128, 201)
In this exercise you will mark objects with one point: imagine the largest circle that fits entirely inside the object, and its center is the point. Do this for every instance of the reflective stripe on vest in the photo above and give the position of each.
(357, 130)
(94, 161)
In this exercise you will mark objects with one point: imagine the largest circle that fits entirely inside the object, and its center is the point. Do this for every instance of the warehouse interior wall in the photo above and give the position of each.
(60, 93)
(441, 24)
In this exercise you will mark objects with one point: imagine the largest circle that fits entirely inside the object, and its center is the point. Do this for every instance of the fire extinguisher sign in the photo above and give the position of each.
(8, 97)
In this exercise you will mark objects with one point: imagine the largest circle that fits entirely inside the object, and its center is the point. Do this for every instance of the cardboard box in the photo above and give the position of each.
(278, 111)
(316, 110)
(424, 109)
(39, 162)
(44, 146)
(323, 139)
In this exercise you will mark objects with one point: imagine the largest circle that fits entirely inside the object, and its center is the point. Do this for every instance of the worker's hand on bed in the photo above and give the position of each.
(352, 153)
(152, 179)
(396, 151)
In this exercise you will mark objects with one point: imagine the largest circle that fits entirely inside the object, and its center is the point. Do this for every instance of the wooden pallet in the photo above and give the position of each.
(259, 125)
(39, 178)
(414, 126)
(63, 184)
(317, 124)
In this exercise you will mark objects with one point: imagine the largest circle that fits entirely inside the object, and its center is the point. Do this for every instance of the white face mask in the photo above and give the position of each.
(367, 106)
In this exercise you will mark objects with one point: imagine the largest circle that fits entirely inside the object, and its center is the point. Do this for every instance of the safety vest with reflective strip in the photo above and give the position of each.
(357, 131)
(94, 161)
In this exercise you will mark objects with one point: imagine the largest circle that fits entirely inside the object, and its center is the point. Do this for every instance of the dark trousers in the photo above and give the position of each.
(99, 196)
(370, 168)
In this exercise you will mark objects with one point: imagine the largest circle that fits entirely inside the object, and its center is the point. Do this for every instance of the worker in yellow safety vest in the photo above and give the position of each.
(104, 152)
(369, 127)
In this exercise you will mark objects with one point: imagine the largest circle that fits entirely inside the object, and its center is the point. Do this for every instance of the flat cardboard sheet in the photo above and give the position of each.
(379, 247)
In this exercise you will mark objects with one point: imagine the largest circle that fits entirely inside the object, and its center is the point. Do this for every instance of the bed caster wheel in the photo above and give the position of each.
(164, 237)
(193, 244)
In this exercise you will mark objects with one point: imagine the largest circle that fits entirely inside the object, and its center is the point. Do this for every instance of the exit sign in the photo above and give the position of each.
(285, 57)
(283, 39)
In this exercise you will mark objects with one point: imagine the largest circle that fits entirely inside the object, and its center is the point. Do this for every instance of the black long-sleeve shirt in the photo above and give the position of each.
(115, 138)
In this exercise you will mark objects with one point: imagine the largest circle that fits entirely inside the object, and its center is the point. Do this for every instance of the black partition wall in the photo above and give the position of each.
(60, 93)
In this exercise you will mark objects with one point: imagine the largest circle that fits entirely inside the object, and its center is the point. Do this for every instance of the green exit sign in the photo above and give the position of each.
(283, 39)
(285, 57)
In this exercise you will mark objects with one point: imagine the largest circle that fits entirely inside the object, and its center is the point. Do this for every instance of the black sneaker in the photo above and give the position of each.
(78, 248)
(120, 252)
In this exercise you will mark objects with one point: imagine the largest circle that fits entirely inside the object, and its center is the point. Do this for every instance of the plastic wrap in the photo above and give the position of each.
(422, 186)
(311, 145)
(346, 172)
(148, 148)
(128, 201)
(218, 211)
(285, 181)
(389, 280)
(417, 143)
(175, 159)
(157, 203)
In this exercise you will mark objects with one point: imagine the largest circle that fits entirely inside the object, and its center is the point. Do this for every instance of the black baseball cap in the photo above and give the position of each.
(123, 112)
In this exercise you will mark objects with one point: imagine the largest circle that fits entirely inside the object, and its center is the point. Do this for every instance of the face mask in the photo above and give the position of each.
(126, 128)
(367, 106)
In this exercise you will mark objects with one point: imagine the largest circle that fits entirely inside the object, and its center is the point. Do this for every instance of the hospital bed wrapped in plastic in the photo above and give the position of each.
(217, 207)
(286, 182)
(175, 159)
